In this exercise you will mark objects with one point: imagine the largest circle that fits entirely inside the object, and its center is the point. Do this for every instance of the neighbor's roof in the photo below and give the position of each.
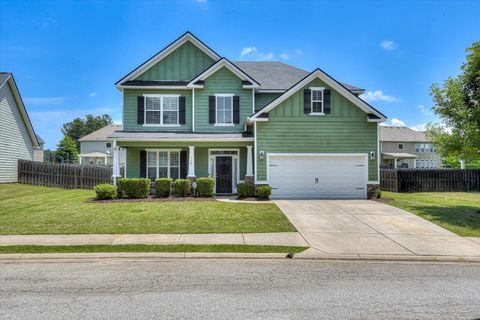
(274, 75)
(8, 77)
(399, 155)
(94, 155)
(40, 140)
(101, 134)
(401, 134)
(172, 136)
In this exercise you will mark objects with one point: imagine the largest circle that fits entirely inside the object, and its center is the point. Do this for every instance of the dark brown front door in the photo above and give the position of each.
(223, 180)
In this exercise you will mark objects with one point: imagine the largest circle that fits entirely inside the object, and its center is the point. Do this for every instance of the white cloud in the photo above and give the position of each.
(266, 56)
(394, 122)
(253, 53)
(388, 45)
(44, 100)
(248, 50)
(419, 127)
(92, 94)
(298, 51)
(377, 95)
(284, 56)
(425, 110)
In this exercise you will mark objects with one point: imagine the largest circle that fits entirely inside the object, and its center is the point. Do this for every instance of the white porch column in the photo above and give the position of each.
(249, 162)
(191, 162)
(116, 170)
(462, 164)
(395, 160)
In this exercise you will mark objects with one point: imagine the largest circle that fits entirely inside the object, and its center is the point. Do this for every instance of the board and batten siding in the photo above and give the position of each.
(15, 142)
(183, 64)
(290, 130)
(262, 99)
(130, 111)
(226, 82)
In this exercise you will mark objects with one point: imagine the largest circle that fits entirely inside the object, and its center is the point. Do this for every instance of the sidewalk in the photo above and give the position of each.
(271, 239)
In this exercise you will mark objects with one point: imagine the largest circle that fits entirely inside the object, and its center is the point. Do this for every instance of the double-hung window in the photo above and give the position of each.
(161, 109)
(317, 101)
(163, 164)
(224, 109)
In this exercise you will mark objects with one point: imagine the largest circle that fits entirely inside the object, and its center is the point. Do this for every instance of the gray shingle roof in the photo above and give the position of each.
(274, 75)
(101, 134)
(401, 134)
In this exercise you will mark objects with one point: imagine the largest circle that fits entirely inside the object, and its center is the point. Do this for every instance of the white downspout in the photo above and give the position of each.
(193, 109)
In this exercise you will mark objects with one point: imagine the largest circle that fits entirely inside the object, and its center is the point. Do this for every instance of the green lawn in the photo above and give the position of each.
(458, 212)
(26, 209)
(151, 248)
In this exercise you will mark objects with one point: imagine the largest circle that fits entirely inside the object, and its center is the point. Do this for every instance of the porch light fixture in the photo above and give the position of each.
(373, 155)
(261, 154)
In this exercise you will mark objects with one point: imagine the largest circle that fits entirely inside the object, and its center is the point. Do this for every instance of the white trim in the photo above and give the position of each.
(214, 156)
(161, 97)
(224, 124)
(378, 151)
(271, 90)
(193, 110)
(331, 83)
(253, 101)
(373, 182)
(316, 113)
(123, 106)
(154, 87)
(230, 66)
(165, 52)
(255, 157)
(322, 112)
(157, 158)
(261, 182)
(224, 94)
(364, 155)
(185, 139)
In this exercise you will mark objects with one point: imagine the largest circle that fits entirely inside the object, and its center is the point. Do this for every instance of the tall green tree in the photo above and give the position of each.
(67, 150)
(79, 127)
(457, 104)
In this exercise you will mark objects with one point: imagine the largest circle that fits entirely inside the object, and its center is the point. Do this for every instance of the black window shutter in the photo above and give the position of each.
(307, 98)
(236, 109)
(183, 164)
(211, 109)
(143, 164)
(181, 110)
(327, 109)
(140, 109)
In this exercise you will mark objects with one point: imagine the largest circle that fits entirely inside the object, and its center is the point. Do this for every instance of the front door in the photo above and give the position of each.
(223, 179)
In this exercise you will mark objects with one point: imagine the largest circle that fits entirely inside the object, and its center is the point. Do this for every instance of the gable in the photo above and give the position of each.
(341, 107)
(184, 63)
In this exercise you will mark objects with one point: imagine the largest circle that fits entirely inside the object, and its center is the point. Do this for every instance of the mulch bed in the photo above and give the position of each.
(382, 200)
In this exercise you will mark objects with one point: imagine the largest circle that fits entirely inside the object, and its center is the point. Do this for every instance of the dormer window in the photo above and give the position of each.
(317, 101)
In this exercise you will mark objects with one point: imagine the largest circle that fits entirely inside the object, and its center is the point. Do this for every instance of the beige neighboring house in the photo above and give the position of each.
(17, 137)
(38, 151)
(96, 149)
(403, 147)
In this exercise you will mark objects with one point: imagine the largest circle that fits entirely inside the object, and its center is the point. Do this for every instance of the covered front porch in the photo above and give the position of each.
(396, 160)
(228, 160)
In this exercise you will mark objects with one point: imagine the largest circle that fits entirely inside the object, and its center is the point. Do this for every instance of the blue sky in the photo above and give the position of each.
(67, 55)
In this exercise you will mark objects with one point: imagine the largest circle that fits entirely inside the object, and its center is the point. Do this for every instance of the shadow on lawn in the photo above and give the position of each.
(459, 216)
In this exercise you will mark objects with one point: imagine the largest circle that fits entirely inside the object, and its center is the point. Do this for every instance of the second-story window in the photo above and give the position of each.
(400, 146)
(161, 110)
(224, 109)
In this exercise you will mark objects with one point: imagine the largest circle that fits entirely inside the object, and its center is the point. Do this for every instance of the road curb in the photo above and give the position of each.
(83, 257)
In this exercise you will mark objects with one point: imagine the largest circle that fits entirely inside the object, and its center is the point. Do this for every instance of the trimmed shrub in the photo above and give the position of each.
(182, 187)
(263, 192)
(134, 188)
(163, 187)
(105, 191)
(205, 187)
(245, 190)
(379, 194)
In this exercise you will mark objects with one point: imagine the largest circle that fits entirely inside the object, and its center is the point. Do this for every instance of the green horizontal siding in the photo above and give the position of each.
(184, 64)
(262, 99)
(222, 81)
(130, 111)
(289, 130)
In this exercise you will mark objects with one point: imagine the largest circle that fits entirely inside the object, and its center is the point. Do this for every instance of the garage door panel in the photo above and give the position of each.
(318, 176)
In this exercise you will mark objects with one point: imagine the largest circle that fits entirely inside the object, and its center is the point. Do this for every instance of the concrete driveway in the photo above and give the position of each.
(363, 227)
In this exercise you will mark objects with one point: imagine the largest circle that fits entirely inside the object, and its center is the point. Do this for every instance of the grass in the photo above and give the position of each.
(458, 212)
(26, 209)
(152, 248)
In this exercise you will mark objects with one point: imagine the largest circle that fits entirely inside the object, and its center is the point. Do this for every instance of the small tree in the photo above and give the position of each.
(79, 127)
(67, 150)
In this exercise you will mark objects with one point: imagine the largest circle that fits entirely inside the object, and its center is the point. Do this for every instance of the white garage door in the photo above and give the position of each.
(317, 176)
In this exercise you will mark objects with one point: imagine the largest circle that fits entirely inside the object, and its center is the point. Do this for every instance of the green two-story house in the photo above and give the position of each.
(188, 112)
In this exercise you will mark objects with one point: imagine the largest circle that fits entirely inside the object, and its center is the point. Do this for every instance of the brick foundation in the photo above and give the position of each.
(372, 190)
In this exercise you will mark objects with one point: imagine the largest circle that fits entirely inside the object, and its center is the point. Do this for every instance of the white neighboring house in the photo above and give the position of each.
(38, 152)
(97, 150)
(17, 137)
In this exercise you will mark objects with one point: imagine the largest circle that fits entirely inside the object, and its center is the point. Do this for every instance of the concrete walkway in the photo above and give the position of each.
(271, 239)
(368, 228)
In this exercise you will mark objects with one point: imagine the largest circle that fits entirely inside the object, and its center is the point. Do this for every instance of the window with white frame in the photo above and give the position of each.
(426, 164)
(161, 109)
(425, 147)
(317, 100)
(163, 164)
(224, 109)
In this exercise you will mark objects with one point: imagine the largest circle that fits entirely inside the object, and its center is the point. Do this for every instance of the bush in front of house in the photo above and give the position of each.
(134, 188)
(163, 187)
(182, 187)
(245, 190)
(263, 192)
(378, 194)
(205, 187)
(105, 191)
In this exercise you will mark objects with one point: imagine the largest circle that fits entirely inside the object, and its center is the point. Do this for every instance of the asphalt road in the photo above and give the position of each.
(234, 289)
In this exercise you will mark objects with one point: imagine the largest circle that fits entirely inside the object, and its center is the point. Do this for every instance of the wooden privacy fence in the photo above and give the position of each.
(67, 176)
(429, 180)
